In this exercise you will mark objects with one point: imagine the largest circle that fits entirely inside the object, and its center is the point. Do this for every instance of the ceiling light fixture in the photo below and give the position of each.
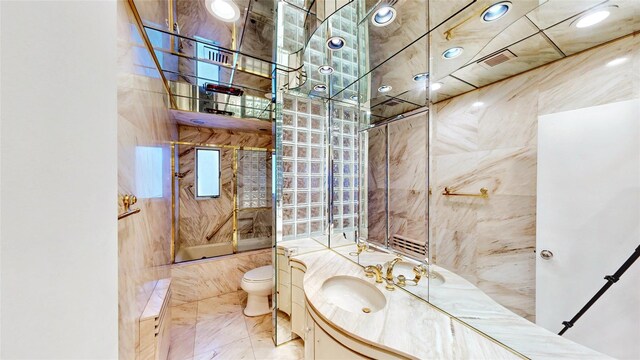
(496, 11)
(199, 122)
(618, 61)
(225, 10)
(477, 104)
(383, 16)
(452, 53)
(384, 89)
(335, 43)
(325, 70)
(592, 18)
(320, 88)
(435, 86)
(354, 97)
(421, 77)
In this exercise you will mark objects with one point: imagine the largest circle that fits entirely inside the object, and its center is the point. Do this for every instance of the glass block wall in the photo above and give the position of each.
(344, 139)
(304, 167)
(252, 179)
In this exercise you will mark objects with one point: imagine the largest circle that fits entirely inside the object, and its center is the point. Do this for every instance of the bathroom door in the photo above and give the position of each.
(588, 217)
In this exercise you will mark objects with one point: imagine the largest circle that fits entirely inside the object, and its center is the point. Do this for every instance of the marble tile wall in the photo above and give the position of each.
(407, 176)
(199, 218)
(144, 132)
(494, 145)
(201, 279)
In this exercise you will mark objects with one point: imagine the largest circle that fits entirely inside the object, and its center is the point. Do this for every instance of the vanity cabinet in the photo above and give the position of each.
(284, 282)
(298, 307)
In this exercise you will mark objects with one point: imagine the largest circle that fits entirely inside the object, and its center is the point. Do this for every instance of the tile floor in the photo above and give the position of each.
(216, 328)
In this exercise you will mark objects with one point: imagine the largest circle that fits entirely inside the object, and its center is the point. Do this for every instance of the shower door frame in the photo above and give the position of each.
(234, 186)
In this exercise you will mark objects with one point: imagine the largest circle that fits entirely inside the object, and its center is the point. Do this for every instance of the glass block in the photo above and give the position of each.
(302, 229)
(316, 153)
(316, 138)
(287, 214)
(302, 182)
(316, 182)
(316, 197)
(316, 168)
(303, 198)
(316, 109)
(303, 151)
(315, 211)
(287, 119)
(303, 122)
(287, 103)
(316, 123)
(288, 198)
(287, 229)
(287, 182)
(302, 167)
(287, 135)
(287, 166)
(303, 106)
(302, 213)
(316, 226)
(303, 136)
(346, 155)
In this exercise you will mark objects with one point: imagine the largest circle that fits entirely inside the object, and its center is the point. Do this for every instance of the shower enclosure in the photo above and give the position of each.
(237, 219)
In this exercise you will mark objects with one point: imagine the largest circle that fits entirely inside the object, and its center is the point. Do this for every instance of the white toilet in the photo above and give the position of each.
(258, 283)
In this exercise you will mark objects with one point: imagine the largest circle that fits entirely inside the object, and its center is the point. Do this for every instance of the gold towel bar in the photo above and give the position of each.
(484, 193)
(127, 201)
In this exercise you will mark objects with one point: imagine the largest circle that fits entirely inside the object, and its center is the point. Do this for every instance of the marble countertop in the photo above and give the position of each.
(431, 333)
(466, 302)
(454, 328)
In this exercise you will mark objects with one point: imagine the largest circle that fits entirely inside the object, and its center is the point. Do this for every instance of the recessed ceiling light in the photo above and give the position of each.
(383, 16)
(618, 61)
(496, 11)
(592, 18)
(435, 86)
(421, 77)
(325, 70)
(477, 104)
(354, 97)
(320, 88)
(225, 10)
(384, 88)
(335, 43)
(199, 122)
(454, 52)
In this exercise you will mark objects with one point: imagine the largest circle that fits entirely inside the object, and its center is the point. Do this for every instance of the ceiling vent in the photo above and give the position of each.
(496, 59)
(217, 55)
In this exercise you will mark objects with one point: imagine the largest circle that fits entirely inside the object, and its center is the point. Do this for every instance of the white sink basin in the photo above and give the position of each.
(406, 269)
(353, 294)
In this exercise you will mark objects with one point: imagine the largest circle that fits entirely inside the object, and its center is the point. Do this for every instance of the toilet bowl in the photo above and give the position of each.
(258, 283)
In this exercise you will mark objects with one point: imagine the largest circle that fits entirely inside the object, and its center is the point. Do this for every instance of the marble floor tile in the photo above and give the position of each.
(183, 331)
(212, 333)
(259, 324)
(226, 304)
(237, 350)
(264, 349)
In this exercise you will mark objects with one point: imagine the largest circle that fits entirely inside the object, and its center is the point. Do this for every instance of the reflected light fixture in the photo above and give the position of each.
(225, 10)
(384, 89)
(496, 11)
(592, 18)
(616, 62)
(452, 53)
(354, 97)
(325, 70)
(421, 77)
(383, 16)
(335, 43)
(435, 86)
(320, 88)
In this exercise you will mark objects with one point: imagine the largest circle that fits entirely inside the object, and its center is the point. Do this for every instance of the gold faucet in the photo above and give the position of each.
(389, 276)
(376, 270)
(360, 247)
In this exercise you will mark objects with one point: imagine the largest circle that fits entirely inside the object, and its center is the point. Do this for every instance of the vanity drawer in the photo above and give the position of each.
(297, 277)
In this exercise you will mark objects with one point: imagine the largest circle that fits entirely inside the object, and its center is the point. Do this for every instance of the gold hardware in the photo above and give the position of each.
(372, 270)
(389, 277)
(419, 271)
(366, 310)
(402, 281)
(360, 246)
(484, 193)
(127, 201)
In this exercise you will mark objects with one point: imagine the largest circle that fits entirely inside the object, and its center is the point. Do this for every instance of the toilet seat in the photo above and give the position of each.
(260, 274)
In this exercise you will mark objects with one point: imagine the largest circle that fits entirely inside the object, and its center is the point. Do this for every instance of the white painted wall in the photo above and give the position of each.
(58, 199)
(589, 217)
